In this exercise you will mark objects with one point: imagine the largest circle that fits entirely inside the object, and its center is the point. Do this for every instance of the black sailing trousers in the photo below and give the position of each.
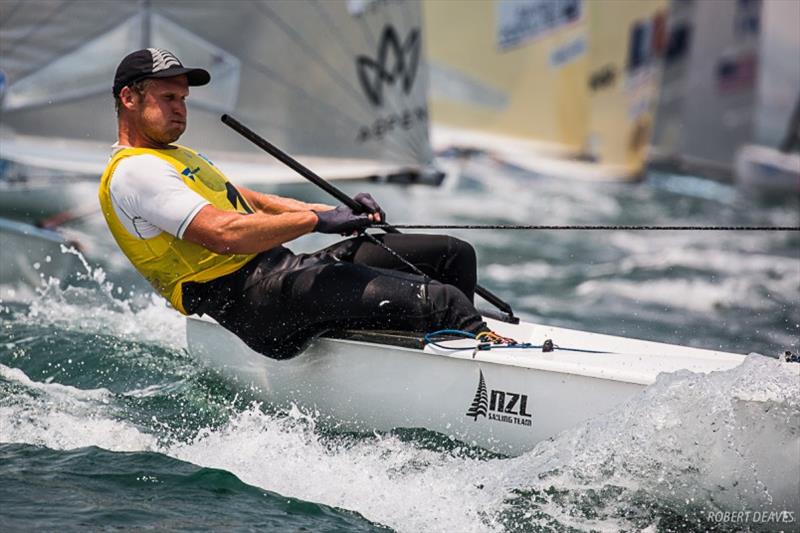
(280, 300)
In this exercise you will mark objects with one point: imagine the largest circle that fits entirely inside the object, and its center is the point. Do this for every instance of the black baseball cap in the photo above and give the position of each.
(155, 63)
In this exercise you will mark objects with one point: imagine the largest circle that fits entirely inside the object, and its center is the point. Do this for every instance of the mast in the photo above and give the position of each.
(791, 139)
(146, 11)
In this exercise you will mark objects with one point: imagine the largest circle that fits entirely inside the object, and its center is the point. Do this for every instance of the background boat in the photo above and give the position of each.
(728, 94)
(771, 163)
(33, 255)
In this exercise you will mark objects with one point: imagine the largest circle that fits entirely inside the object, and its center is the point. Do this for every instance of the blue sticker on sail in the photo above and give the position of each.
(519, 21)
(567, 52)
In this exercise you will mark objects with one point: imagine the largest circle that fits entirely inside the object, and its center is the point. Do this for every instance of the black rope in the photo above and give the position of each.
(590, 227)
(397, 256)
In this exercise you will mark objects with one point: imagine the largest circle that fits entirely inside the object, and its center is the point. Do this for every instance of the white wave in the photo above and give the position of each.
(713, 260)
(16, 292)
(518, 272)
(89, 311)
(101, 307)
(383, 478)
(498, 194)
(57, 391)
(697, 443)
(701, 243)
(63, 417)
(693, 295)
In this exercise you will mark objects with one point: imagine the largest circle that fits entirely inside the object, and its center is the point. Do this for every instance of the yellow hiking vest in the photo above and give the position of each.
(166, 261)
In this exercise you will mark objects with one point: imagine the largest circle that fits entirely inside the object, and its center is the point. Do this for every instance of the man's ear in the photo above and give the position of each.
(128, 98)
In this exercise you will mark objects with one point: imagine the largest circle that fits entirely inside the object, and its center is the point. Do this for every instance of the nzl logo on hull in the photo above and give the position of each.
(396, 63)
(500, 406)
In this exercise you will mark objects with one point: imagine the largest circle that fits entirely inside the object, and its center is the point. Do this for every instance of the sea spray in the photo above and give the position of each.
(63, 417)
(92, 303)
(384, 478)
(689, 445)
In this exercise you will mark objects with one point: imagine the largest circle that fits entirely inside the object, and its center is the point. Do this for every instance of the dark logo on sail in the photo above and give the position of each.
(395, 62)
(499, 406)
(602, 78)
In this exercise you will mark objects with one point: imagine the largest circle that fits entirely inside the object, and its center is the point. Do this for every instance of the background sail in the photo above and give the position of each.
(577, 81)
(722, 80)
(677, 60)
(304, 74)
(627, 42)
(770, 164)
(709, 96)
(778, 86)
(509, 67)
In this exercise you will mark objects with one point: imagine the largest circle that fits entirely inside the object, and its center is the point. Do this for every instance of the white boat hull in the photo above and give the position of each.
(40, 199)
(765, 169)
(504, 400)
(31, 255)
(538, 158)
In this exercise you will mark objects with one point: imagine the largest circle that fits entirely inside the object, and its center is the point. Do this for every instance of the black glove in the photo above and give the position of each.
(370, 205)
(341, 220)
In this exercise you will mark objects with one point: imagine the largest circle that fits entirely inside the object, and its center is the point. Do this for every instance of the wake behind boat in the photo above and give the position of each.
(502, 399)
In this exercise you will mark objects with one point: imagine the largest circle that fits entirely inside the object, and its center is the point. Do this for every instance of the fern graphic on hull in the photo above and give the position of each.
(481, 401)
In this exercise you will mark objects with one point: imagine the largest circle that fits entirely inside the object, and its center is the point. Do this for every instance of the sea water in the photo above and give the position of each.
(106, 421)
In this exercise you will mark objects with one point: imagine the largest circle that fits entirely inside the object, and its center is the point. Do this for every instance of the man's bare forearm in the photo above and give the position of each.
(228, 232)
(275, 205)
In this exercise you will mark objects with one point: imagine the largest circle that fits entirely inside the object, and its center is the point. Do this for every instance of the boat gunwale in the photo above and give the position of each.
(524, 359)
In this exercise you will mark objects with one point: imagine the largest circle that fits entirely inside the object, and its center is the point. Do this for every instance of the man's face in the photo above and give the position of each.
(160, 111)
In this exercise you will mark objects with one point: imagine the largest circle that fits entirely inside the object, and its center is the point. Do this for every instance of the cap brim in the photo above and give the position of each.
(195, 76)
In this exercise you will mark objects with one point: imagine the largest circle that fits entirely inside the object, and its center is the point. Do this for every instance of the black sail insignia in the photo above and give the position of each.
(394, 62)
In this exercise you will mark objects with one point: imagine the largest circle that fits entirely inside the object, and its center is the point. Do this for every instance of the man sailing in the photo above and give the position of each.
(210, 247)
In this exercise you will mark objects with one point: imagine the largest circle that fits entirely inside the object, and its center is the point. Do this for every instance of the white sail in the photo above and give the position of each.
(778, 86)
(709, 95)
(666, 139)
(771, 164)
(343, 82)
(731, 83)
(719, 115)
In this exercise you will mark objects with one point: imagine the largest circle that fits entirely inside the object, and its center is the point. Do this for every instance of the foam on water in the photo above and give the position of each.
(383, 478)
(62, 417)
(690, 444)
(95, 305)
(149, 320)
(705, 296)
